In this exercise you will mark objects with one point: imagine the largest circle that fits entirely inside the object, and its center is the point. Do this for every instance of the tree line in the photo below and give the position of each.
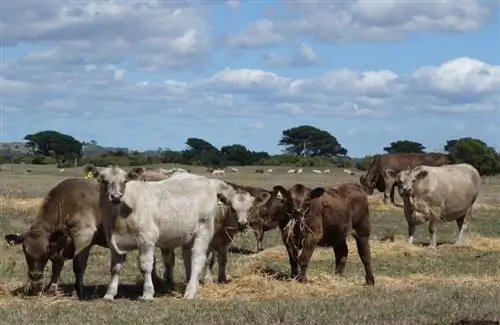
(303, 145)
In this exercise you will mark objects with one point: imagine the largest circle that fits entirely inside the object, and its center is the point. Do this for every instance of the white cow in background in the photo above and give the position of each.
(167, 214)
(219, 172)
(316, 171)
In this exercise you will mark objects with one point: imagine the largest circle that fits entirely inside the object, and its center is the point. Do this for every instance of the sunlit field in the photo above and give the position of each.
(414, 284)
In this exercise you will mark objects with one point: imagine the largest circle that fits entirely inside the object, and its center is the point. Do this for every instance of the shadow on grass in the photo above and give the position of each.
(240, 250)
(94, 292)
(277, 275)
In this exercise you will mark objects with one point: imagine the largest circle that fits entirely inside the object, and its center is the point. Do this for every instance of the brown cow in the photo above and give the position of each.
(67, 225)
(325, 217)
(266, 213)
(381, 175)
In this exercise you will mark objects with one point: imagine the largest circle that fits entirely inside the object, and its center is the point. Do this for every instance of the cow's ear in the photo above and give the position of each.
(262, 198)
(317, 192)
(91, 171)
(281, 192)
(14, 239)
(222, 199)
(57, 241)
(390, 173)
(422, 174)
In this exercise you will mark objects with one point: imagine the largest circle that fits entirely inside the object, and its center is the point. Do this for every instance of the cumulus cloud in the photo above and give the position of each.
(303, 56)
(105, 90)
(96, 32)
(335, 21)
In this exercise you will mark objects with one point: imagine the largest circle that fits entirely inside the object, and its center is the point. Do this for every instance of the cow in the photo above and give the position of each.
(227, 229)
(68, 223)
(139, 173)
(377, 177)
(218, 172)
(316, 171)
(166, 214)
(438, 194)
(325, 216)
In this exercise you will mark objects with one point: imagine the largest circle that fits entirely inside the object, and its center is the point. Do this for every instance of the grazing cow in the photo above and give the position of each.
(438, 194)
(377, 176)
(292, 171)
(325, 217)
(299, 171)
(349, 172)
(166, 214)
(67, 225)
(326, 171)
(234, 170)
(259, 171)
(270, 170)
(316, 171)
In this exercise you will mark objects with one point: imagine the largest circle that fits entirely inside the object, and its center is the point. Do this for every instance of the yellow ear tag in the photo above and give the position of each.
(89, 175)
(279, 195)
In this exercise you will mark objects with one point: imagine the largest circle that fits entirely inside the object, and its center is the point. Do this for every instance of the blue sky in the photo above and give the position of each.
(151, 74)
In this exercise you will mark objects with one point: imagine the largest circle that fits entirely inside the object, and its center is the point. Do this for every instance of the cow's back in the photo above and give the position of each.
(453, 186)
(69, 201)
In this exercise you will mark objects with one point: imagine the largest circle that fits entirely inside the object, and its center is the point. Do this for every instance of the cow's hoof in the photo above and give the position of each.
(108, 297)
(146, 298)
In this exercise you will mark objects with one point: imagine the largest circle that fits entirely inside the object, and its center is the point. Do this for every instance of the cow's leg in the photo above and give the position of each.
(209, 265)
(57, 266)
(363, 245)
(411, 233)
(222, 261)
(432, 233)
(341, 251)
(293, 259)
(304, 258)
(199, 255)
(259, 237)
(146, 260)
(463, 227)
(186, 256)
(79, 266)
(168, 263)
(117, 261)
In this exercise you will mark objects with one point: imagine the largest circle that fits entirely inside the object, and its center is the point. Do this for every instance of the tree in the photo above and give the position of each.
(237, 154)
(54, 144)
(475, 152)
(202, 152)
(405, 146)
(310, 141)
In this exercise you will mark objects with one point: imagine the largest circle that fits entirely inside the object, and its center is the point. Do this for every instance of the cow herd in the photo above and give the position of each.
(143, 210)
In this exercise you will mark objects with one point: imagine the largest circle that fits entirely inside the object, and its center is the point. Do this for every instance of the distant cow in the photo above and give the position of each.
(325, 217)
(439, 194)
(292, 171)
(317, 171)
(177, 212)
(67, 225)
(326, 171)
(377, 177)
(218, 172)
(259, 171)
(141, 174)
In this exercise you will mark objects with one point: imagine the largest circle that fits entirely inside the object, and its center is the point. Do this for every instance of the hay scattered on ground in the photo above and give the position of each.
(21, 203)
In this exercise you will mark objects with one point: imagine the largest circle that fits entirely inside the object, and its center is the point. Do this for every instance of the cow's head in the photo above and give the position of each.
(241, 203)
(38, 247)
(368, 185)
(113, 180)
(408, 179)
(298, 197)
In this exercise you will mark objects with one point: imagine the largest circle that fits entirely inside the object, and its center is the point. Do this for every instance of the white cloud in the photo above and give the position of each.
(334, 21)
(89, 32)
(303, 56)
(105, 90)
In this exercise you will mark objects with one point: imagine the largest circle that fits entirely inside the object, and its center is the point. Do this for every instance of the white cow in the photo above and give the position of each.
(292, 171)
(438, 194)
(326, 171)
(174, 212)
(219, 172)
(299, 171)
(316, 171)
(270, 170)
(234, 170)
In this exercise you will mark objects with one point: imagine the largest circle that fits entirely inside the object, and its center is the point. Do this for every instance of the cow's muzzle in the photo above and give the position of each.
(405, 192)
(115, 197)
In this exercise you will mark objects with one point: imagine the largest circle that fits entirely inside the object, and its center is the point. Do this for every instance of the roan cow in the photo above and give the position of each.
(325, 217)
(377, 177)
(67, 225)
(166, 214)
(438, 194)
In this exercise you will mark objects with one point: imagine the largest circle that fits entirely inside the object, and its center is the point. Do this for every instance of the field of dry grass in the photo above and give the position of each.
(414, 285)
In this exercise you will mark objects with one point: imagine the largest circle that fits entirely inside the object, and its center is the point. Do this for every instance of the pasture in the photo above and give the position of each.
(413, 285)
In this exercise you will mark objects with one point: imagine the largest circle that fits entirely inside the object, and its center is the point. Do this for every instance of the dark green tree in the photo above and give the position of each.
(475, 152)
(310, 141)
(201, 152)
(237, 154)
(54, 144)
(405, 146)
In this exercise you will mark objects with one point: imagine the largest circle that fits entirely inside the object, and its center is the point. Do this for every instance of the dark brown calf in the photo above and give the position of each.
(325, 217)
